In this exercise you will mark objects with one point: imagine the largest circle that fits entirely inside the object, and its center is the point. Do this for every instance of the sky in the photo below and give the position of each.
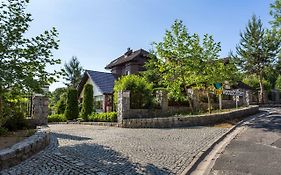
(98, 31)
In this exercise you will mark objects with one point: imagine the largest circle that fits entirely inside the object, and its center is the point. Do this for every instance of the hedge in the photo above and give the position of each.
(57, 118)
(103, 117)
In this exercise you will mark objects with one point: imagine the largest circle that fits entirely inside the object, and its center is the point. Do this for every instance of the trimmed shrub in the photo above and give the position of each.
(57, 118)
(61, 105)
(71, 110)
(140, 90)
(88, 101)
(104, 117)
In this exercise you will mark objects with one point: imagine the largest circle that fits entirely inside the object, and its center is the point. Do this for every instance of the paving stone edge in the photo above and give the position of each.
(20, 151)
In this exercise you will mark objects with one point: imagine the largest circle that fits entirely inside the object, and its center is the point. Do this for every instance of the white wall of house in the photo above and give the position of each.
(96, 90)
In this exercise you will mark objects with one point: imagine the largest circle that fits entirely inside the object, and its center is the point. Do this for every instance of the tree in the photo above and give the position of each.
(71, 111)
(23, 60)
(73, 72)
(61, 105)
(56, 97)
(256, 51)
(88, 101)
(275, 12)
(183, 63)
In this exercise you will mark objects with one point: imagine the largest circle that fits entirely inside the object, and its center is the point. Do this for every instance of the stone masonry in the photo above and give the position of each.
(40, 110)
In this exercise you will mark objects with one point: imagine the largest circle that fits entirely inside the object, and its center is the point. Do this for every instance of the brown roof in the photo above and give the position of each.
(128, 56)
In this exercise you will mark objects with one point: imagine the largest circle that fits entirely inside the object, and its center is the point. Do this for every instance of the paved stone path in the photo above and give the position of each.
(82, 149)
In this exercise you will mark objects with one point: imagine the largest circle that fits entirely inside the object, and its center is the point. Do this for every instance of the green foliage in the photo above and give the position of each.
(278, 83)
(257, 50)
(16, 121)
(88, 101)
(57, 118)
(60, 106)
(140, 90)
(184, 62)
(3, 131)
(73, 72)
(104, 117)
(253, 81)
(71, 111)
(23, 60)
(275, 12)
(55, 97)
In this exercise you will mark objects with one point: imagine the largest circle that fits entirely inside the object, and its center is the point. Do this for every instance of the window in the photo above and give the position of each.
(98, 102)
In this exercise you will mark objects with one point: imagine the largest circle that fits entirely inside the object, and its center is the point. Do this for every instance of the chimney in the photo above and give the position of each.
(129, 51)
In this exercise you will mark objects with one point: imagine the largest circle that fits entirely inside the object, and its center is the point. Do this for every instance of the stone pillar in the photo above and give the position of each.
(123, 105)
(40, 109)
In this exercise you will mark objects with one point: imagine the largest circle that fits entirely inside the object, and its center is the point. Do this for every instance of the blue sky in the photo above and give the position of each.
(98, 31)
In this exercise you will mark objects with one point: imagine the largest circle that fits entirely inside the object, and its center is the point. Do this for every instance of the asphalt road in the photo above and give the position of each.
(257, 150)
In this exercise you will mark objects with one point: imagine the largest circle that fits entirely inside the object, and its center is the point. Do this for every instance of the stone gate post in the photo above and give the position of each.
(123, 105)
(40, 109)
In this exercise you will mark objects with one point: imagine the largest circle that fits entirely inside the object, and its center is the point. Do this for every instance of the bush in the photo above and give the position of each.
(278, 83)
(57, 118)
(16, 121)
(71, 110)
(88, 101)
(60, 106)
(3, 131)
(140, 90)
(104, 117)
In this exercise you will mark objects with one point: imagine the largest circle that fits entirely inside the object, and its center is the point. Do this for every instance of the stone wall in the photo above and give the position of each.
(188, 120)
(24, 149)
(125, 112)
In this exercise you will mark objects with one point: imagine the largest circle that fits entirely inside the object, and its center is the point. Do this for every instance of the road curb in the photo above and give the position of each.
(207, 150)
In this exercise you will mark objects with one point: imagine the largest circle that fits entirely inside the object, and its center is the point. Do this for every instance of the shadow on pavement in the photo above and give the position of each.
(108, 160)
(271, 123)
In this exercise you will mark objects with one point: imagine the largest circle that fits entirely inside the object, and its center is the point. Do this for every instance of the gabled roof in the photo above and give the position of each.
(104, 81)
(128, 56)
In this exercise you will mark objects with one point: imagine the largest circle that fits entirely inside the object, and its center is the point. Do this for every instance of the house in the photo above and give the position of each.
(131, 62)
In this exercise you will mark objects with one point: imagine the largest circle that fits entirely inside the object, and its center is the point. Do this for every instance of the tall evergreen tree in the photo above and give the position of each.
(256, 51)
(71, 111)
(88, 101)
(73, 72)
(275, 12)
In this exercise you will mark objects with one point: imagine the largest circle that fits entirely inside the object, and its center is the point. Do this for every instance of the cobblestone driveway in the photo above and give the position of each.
(81, 149)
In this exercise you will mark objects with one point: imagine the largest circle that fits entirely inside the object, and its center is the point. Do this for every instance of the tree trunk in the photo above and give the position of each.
(261, 95)
(209, 102)
(189, 99)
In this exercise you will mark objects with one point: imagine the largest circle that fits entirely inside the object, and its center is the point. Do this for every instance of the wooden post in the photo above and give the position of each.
(220, 101)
